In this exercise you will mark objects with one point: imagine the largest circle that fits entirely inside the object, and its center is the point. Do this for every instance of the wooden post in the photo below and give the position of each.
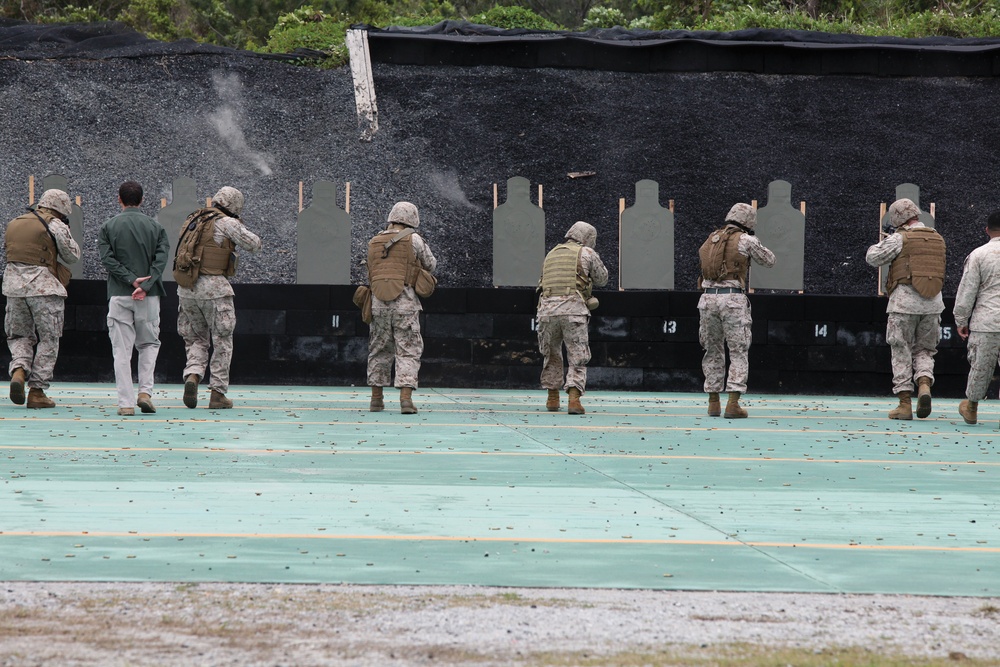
(347, 198)
(621, 209)
(300, 196)
(933, 211)
(540, 195)
(31, 190)
(753, 203)
(495, 196)
(208, 202)
(881, 214)
(78, 200)
(670, 205)
(163, 202)
(802, 209)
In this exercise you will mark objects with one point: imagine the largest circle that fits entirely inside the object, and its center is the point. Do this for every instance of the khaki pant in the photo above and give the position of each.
(134, 324)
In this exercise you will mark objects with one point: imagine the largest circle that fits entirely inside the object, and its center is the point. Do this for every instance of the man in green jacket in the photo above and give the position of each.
(134, 249)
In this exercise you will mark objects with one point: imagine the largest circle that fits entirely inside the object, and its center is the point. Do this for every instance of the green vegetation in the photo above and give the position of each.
(317, 30)
(510, 18)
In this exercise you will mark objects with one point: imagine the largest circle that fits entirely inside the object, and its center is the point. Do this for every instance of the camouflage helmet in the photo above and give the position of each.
(583, 233)
(58, 201)
(743, 214)
(230, 199)
(902, 211)
(405, 213)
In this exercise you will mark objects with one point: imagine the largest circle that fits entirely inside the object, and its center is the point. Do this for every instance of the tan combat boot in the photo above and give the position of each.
(733, 409)
(575, 407)
(145, 403)
(17, 380)
(552, 402)
(218, 401)
(406, 406)
(37, 399)
(191, 390)
(714, 407)
(377, 404)
(968, 410)
(923, 397)
(905, 409)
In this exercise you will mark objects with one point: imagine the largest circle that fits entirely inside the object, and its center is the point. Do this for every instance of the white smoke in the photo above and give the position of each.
(226, 121)
(446, 184)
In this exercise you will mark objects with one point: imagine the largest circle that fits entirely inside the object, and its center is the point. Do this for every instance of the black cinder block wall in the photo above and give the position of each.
(640, 341)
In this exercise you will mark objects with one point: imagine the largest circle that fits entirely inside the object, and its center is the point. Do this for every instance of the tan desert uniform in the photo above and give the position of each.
(35, 297)
(915, 255)
(724, 309)
(394, 335)
(206, 314)
(563, 316)
(977, 306)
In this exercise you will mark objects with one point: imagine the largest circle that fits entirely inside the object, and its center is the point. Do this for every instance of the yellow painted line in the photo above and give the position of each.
(472, 538)
(205, 449)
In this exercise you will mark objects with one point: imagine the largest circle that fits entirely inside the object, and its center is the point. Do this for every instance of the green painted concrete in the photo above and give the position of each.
(485, 487)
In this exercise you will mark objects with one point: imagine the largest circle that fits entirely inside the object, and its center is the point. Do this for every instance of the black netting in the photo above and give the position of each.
(465, 29)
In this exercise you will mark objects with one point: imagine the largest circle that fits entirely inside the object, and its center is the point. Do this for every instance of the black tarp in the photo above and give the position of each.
(461, 43)
(617, 49)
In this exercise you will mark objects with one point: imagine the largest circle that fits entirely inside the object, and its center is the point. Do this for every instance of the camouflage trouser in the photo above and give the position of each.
(725, 320)
(32, 320)
(913, 341)
(553, 333)
(204, 321)
(984, 347)
(394, 336)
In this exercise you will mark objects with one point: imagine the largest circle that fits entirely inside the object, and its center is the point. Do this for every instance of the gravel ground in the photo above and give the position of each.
(261, 624)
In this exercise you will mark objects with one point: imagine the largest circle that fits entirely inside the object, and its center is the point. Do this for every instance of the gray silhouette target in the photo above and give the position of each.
(518, 238)
(324, 240)
(647, 241)
(183, 202)
(59, 182)
(781, 228)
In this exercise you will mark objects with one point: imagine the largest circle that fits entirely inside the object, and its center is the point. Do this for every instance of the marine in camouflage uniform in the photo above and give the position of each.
(977, 317)
(206, 314)
(569, 272)
(394, 334)
(36, 298)
(724, 309)
(915, 255)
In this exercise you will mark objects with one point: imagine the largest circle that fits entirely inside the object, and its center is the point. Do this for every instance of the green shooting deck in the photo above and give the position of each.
(303, 484)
